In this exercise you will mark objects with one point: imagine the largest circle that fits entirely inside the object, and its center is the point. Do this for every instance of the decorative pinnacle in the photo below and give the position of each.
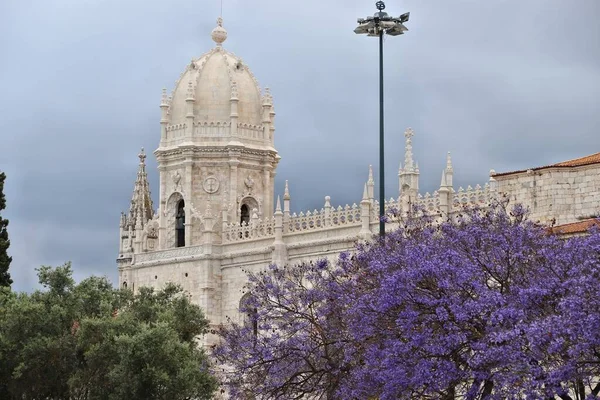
(408, 155)
(365, 193)
(286, 192)
(190, 91)
(278, 206)
(443, 182)
(219, 34)
(164, 99)
(267, 98)
(370, 181)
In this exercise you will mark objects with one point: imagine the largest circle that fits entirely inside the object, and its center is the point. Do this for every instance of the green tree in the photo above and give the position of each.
(90, 341)
(4, 242)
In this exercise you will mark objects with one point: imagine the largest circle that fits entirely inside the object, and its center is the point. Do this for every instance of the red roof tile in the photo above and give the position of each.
(577, 162)
(575, 227)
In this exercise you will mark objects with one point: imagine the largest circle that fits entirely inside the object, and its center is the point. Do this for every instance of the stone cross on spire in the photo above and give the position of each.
(141, 208)
(408, 155)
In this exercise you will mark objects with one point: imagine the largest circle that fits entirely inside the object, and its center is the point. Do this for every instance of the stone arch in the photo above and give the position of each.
(249, 313)
(251, 203)
(171, 208)
(180, 224)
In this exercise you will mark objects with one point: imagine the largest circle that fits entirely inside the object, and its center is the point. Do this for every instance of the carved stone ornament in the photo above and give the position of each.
(249, 182)
(176, 179)
(211, 185)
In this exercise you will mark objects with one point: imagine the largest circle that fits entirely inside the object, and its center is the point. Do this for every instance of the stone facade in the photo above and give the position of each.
(556, 194)
(217, 215)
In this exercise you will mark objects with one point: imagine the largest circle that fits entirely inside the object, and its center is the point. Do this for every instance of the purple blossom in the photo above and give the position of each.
(487, 305)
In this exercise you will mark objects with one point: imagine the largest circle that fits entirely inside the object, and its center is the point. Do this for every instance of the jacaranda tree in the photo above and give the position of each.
(487, 305)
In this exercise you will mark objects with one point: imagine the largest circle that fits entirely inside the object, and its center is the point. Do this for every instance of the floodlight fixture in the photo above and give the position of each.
(377, 25)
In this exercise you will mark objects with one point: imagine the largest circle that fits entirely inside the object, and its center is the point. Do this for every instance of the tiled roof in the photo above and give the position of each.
(575, 227)
(577, 162)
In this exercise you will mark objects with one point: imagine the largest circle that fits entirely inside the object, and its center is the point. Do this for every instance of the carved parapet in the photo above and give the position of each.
(258, 229)
(430, 203)
(470, 197)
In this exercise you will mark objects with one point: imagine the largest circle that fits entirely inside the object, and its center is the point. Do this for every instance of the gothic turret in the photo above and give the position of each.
(141, 211)
(216, 148)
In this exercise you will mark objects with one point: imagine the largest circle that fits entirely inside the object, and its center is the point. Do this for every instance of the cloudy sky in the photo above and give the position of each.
(503, 84)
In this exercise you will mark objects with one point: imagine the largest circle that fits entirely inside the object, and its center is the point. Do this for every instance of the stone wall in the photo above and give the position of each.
(556, 195)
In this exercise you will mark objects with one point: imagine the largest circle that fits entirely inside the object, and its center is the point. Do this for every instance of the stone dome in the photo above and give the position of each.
(213, 80)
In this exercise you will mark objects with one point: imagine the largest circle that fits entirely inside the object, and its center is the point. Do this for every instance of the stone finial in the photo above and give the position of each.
(327, 201)
(408, 155)
(492, 172)
(371, 181)
(365, 193)
(278, 206)
(219, 34)
(190, 91)
(443, 182)
(286, 192)
(142, 156)
(448, 162)
(164, 99)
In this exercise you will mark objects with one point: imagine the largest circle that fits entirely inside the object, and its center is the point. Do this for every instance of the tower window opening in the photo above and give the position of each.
(244, 214)
(180, 223)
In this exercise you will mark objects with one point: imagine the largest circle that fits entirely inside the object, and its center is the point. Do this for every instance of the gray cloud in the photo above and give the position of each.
(504, 85)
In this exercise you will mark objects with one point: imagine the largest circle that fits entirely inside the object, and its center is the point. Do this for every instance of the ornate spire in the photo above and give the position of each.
(278, 206)
(286, 192)
(448, 163)
(408, 155)
(219, 34)
(443, 182)
(141, 208)
(365, 193)
(370, 181)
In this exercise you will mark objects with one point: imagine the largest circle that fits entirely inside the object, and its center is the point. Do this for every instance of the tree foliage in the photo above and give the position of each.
(485, 306)
(5, 260)
(90, 341)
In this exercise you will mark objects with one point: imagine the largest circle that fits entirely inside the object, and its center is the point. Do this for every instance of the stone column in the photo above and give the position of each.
(233, 186)
(365, 215)
(162, 206)
(267, 212)
(188, 201)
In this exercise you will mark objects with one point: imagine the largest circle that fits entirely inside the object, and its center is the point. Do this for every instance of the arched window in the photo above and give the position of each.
(245, 214)
(250, 313)
(124, 285)
(180, 223)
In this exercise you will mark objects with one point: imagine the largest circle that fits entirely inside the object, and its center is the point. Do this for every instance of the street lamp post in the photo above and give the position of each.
(377, 25)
